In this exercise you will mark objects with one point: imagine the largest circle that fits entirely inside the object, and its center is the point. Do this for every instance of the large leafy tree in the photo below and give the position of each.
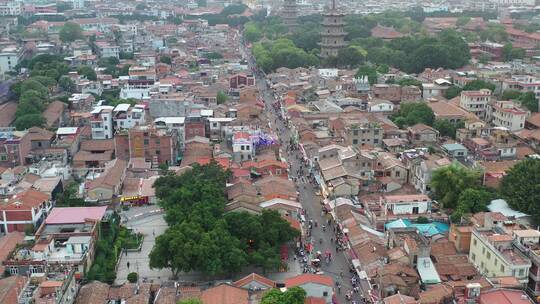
(479, 84)
(88, 72)
(529, 101)
(70, 32)
(29, 120)
(450, 181)
(411, 113)
(294, 295)
(520, 187)
(202, 238)
(472, 201)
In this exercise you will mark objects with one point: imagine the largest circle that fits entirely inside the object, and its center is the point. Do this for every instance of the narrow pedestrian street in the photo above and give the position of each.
(323, 239)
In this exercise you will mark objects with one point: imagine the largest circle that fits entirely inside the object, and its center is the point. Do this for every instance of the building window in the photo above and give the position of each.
(474, 242)
(355, 132)
(496, 262)
(3, 157)
(355, 141)
(13, 270)
(242, 147)
(146, 142)
(488, 255)
(158, 152)
(325, 294)
(521, 272)
(483, 250)
(502, 268)
(473, 257)
(247, 148)
(158, 141)
(397, 173)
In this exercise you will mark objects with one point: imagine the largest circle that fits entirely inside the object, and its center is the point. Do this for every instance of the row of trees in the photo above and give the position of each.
(271, 55)
(46, 73)
(460, 189)
(201, 237)
(412, 113)
(112, 239)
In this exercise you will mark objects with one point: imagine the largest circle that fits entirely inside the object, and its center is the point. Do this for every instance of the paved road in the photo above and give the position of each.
(339, 267)
(150, 226)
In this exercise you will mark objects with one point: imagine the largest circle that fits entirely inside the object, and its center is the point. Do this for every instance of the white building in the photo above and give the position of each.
(380, 106)
(242, 146)
(102, 122)
(108, 50)
(514, 2)
(8, 60)
(11, 8)
(78, 4)
(126, 117)
(506, 114)
(406, 204)
(430, 90)
(476, 102)
(523, 83)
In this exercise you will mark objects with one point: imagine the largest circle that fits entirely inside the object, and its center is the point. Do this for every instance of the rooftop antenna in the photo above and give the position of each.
(333, 4)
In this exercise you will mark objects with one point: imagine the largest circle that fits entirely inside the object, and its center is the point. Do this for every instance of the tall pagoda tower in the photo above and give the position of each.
(333, 33)
(289, 13)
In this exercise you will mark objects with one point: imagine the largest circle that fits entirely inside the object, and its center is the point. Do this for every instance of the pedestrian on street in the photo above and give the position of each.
(128, 264)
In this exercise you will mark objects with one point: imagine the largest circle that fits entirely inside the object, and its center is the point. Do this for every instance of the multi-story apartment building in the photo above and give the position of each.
(476, 102)
(506, 114)
(493, 253)
(361, 133)
(126, 117)
(528, 242)
(523, 83)
(158, 146)
(102, 122)
(24, 209)
(11, 8)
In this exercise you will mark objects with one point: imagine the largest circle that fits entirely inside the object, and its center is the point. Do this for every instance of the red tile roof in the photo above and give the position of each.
(254, 277)
(225, 294)
(309, 278)
(25, 200)
(504, 296)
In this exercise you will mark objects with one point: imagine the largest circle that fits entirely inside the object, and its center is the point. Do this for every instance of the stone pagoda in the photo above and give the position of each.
(333, 33)
(289, 14)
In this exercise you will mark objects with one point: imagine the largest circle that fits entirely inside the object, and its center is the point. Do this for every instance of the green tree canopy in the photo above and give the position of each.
(510, 53)
(520, 187)
(294, 295)
(88, 72)
(450, 181)
(529, 101)
(472, 201)
(71, 32)
(410, 81)
(202, 238)
(222, 97)
(66, 84)
(165, 59)
(511, 95)
(479, 84)
(447, 128)
(369, 71)
(252, 32)
(412, 113)
(29, 120)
